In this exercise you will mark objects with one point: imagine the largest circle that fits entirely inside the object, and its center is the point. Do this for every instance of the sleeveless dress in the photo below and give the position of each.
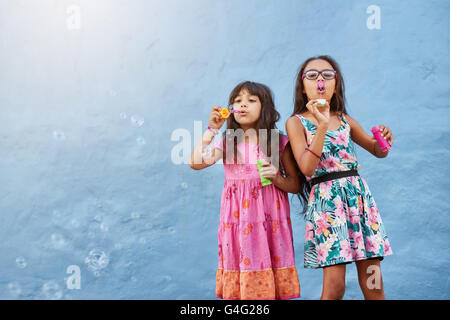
(342, 219)
(256, 252)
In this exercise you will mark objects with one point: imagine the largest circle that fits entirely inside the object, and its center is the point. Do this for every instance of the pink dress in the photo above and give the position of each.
(256, 253)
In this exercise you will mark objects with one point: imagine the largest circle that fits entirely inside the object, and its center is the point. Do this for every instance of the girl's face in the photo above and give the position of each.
(249, 107)
(319, 88)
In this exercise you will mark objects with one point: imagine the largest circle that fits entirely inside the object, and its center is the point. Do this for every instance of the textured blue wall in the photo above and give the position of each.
(90, 96)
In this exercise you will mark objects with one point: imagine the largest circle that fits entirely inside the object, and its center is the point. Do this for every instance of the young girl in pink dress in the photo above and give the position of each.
(256, 254)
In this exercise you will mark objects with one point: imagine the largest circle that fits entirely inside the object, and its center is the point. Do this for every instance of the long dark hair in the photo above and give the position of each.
(337, 104)
(269, 115)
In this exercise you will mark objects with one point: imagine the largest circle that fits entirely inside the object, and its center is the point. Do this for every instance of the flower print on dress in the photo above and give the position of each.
(343, 223)
(255, 191)
(231, 191)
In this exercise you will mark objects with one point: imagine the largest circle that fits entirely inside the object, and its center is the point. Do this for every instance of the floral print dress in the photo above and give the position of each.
(342, 220)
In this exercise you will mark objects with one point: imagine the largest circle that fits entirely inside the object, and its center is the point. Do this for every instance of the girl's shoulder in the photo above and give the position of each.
(284, 140)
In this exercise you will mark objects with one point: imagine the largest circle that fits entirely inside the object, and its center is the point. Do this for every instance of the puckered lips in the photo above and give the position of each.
(321, 86)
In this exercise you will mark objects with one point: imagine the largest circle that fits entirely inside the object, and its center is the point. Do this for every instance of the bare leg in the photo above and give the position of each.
(370, 279)
(333, 282)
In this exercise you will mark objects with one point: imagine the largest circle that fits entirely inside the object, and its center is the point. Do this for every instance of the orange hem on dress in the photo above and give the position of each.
(268, 284)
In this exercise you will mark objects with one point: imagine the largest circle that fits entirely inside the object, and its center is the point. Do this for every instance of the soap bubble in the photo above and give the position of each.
(137, 120)
(51, 290)
(96, 261)
(123, 115)
(167, 278)
(171, 229)
(21, 262)
(58, 240)
(14, 289)
(74, 223)
(140, 140)
(104, 227)
(59, 135)
(142, 240)
(135, 215)
(184, 185)
(206, 151)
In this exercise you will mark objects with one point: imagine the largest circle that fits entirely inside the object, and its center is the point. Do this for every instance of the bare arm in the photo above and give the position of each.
(290, 183)
(360, 137)
(306, 160)
(197, 161)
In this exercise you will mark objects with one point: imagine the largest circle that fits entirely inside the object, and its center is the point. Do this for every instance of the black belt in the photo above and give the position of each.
(334, 175)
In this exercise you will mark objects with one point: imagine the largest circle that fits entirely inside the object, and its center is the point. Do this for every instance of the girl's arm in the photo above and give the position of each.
(197, 161)
(290, 183)
(360, 137)
(307, 162)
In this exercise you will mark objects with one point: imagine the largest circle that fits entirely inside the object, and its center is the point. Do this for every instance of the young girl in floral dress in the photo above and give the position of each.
(342, 220)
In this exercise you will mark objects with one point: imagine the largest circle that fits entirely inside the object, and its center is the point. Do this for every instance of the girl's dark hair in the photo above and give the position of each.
(269, 115)
(337, 104)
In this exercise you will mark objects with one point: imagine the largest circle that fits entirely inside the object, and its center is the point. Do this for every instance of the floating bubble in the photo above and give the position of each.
(206, 151)
(51, 290)
(184, 185)
(58, 240)
(123, 115)
(21, 262)
(171, 229)
(140, 140)
(134, 279)
(142, 240)
(96, 261)
(14, 289)
(59, 135)
(135, 215)
(74, 223)
(137, 120)
(104, 227)
(98, 218)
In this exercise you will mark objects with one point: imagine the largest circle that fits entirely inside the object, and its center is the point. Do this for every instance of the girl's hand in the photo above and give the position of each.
(386, 133)
(322, 116)
(268, 170)
(215, 119)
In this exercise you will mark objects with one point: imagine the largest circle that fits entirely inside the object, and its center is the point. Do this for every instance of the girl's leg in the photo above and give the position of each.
(333, 282)
(370, 279)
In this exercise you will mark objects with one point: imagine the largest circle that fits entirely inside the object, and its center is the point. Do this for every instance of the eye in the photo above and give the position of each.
(328, 74)
(237, 100)
(252, 100)
(312, 74)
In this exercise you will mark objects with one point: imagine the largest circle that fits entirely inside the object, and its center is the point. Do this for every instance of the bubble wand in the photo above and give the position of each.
(225, 112)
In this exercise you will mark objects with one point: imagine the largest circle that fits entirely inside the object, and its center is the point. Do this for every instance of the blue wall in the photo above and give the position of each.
(88, 107)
